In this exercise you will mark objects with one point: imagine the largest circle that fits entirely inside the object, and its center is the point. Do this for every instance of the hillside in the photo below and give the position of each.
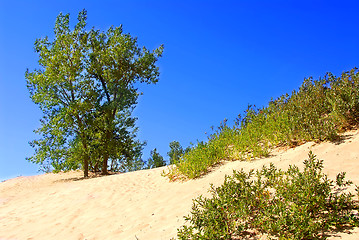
(138, 205)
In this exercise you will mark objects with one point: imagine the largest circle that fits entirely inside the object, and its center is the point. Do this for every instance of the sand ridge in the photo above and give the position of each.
(137, 205)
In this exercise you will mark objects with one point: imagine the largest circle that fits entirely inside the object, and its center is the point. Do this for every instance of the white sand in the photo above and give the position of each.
(138, 205)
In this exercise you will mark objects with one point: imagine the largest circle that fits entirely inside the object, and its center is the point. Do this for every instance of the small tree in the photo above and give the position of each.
(176, 152)
(86, 89)
(156, 160)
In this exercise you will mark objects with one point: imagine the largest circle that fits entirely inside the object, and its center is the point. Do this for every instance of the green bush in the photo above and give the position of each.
(320, 110)
(290, 204)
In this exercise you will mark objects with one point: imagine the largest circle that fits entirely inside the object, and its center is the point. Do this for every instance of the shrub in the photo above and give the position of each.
(290, 204)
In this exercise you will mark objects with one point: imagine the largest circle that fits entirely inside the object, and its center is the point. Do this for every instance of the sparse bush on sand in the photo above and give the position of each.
(290, 204)
(319, 110)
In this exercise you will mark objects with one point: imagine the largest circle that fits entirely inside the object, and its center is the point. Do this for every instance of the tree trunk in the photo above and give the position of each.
(84, 143)
(86, 166)
(104, 165)
(86, 160)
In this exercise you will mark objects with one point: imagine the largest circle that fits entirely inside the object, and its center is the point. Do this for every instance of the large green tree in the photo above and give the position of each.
(85, 87)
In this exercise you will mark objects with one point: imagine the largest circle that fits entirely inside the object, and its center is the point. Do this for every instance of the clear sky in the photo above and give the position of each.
(219, 57)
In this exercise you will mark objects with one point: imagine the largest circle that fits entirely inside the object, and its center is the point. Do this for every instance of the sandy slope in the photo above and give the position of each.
(136, 205)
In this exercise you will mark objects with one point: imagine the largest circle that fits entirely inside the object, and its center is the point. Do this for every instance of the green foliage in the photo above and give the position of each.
(176, 151)
(290, 204)
(156, 160)
(318, 111)
(86, 89)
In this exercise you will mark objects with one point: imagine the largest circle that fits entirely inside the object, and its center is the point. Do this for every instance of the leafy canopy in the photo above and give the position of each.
(85, 87)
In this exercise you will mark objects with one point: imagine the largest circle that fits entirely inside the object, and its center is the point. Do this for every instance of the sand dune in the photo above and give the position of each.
(138, 205)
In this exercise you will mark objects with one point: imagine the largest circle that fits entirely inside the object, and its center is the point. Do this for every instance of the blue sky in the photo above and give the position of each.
(219, 57)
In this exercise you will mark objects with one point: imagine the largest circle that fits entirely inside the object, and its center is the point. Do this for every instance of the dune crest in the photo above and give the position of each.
(138, 205)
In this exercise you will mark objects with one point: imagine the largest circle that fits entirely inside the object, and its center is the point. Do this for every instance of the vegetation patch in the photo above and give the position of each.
(290, 204)
(320, 110)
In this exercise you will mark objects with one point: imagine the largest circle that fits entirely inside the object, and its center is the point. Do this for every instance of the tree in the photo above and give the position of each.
(156, 160)
(86, 90)
(176, 152)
